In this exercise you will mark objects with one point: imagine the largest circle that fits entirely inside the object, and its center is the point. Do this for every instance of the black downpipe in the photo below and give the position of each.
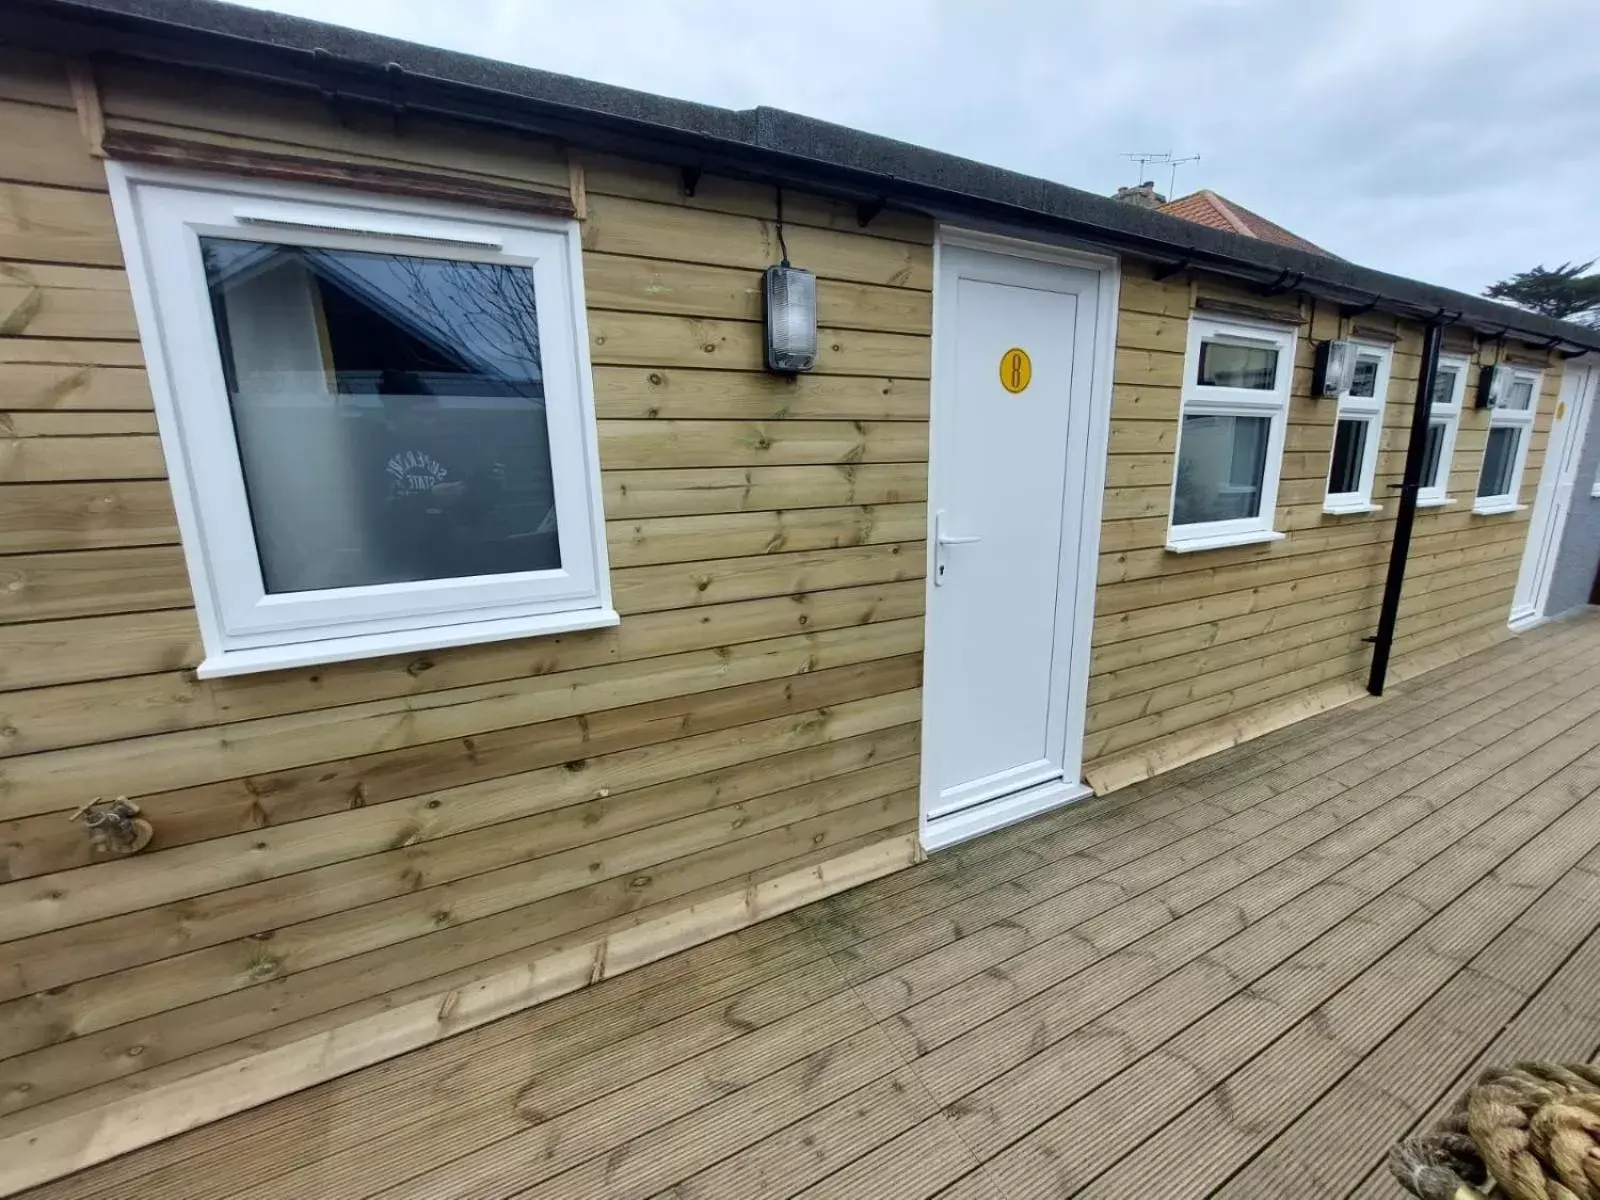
(1411, 483)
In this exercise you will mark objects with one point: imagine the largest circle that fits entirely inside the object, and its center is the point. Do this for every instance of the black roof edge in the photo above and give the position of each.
(762, 143)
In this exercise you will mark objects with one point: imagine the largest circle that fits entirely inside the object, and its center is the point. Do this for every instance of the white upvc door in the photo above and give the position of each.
(1553, 501)
(1018, 446)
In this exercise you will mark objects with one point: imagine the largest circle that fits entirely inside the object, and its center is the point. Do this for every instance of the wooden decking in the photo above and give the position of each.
(1246, 978)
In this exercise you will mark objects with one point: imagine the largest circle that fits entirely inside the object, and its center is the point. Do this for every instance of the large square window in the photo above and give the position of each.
(1358, 433)
(378, 416)
(1230, 440)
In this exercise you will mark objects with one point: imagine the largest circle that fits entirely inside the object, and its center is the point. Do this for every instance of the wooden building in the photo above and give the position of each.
(396, 508)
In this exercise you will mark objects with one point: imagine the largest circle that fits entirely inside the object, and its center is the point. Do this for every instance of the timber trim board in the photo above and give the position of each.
(35, 1156)
(130, 146)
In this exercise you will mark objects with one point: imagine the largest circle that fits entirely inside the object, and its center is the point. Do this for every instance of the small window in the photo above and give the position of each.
(1230, 440)
(1358, 434)
(1505, 450)
(1444, 417)
(380, 425)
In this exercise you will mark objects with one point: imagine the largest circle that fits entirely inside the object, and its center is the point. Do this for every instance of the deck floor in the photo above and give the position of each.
(1246, 978)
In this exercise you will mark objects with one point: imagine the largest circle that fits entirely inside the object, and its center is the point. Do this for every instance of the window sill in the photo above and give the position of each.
(442, 637)
(1351, 509)
(1495, 508)
(1221, 540)
(1435, 502)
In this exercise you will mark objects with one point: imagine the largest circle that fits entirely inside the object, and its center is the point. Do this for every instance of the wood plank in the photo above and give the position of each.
(652, 589)
(635, 180)
(643, 734)
(79, 459)
(28, 424)
(61, 352)
(37, 587)
(34, 77)
(1427, 1053)
(1327, 1044)
(145, 705)
(71, 1145)
(93, 648)
(85, 516)
(1211, 1045)
(950, 988)
(638, 445)
(688, 491)
(43, 782)
(487, 873)
(45, 146)
(704, 538)
(634, 392)
(54, 301)
(646, 230)
(642, 285)
(651, 340)
(48, 387)
(281, 121)
(320, 997)
(47, 843)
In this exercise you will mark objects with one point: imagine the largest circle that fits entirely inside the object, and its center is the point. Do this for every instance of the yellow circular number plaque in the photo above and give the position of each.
(1016, 370)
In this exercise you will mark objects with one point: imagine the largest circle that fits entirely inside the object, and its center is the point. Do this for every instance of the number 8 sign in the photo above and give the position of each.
(1016, 370)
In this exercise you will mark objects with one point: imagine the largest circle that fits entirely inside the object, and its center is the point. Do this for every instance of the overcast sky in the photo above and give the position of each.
(1455, 141)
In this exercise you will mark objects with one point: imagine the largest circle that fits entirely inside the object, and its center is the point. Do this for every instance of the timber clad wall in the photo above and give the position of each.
(1195, 652)
(333, 843)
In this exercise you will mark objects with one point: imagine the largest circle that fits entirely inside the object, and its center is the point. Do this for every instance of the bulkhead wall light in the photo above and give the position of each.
(1336, 363)
(1493, 383)
(791, 308)
(790, 303)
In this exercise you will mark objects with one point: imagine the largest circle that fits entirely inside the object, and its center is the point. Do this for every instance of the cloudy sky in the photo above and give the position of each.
(1448, 140)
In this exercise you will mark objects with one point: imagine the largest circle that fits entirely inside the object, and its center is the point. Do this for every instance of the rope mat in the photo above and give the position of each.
(1529, 1132)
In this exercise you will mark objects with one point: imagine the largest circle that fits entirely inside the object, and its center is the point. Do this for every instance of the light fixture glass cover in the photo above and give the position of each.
(1335, 368)
(791, 304)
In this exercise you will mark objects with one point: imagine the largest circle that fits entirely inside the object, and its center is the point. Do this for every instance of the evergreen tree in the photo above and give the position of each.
(1566, 292)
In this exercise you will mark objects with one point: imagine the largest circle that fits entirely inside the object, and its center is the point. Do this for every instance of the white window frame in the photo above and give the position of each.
(1369, 411)
(1199, 400)
(1447, 414)
(161, 215)
(1501, 417)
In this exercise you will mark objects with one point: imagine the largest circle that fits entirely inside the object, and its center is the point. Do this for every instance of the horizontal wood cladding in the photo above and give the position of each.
(334, 844)
(1192, 650)
(42, 224)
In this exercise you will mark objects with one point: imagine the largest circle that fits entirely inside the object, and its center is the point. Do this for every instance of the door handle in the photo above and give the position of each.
(942, 541)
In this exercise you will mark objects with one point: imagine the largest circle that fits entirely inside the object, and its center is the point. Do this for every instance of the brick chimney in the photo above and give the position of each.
(1145, 195)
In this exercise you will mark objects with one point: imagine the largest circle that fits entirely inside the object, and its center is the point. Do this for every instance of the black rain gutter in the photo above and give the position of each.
(1410, 485)
(769, 145)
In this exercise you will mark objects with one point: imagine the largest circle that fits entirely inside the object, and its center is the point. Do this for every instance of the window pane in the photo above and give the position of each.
(1433, 455)
(1364, 379)
(389, 412)
(1222, 462)
(1228, 364)
(1499, 462)
(1349, 447)
(1444, 386)
(1519, 396)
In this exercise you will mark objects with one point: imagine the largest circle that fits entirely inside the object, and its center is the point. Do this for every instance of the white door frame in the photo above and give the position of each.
(1545, 528)
(1088, 441)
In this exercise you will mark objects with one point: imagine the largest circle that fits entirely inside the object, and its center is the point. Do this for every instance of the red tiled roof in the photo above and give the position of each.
(1207, 208)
